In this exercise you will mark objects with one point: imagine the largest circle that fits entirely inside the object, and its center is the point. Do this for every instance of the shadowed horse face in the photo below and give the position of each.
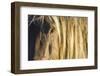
(57, 37)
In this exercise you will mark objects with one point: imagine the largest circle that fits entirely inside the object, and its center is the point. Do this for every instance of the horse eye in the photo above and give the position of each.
(52, 30)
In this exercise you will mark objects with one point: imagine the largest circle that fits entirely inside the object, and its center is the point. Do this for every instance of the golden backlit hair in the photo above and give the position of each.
(66, 38)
